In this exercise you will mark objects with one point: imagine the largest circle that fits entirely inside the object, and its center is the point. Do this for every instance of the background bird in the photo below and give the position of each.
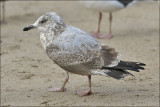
(109, 6)
(77, 52)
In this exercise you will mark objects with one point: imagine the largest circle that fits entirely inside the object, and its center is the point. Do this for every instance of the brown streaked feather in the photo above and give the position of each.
(110, 56)
(84, 68)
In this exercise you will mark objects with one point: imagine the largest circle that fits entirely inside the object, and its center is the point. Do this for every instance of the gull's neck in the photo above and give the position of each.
(47, 37)
(57, 29)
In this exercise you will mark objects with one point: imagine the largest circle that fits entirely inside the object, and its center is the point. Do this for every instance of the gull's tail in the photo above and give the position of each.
(120, 71)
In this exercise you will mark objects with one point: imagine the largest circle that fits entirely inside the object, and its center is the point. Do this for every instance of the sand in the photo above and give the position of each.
(27, 73)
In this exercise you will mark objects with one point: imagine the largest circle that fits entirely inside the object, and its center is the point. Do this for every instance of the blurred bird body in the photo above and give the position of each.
(105, 6)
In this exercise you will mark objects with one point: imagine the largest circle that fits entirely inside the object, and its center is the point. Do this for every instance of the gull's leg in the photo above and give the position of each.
(110, 25)
(108, 36)
(89, 91)
(3, 13)
(96, 34)
(63, 86)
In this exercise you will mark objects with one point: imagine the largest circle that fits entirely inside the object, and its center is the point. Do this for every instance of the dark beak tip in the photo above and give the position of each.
(25, 29)
(28, 27)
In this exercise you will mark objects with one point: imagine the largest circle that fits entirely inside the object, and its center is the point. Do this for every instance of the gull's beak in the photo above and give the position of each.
(29, 27)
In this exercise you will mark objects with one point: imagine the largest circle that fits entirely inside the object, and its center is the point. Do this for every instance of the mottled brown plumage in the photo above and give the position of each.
(77, 52)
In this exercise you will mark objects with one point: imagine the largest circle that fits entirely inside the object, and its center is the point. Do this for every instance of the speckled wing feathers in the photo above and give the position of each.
(74, 46)
(77, 52)
(110, 56)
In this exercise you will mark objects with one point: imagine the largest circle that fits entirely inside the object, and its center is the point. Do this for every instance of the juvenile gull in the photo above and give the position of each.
(77, 52)
(109, 6)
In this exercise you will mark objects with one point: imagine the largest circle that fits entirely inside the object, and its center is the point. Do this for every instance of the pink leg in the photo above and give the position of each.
(3, 13)
(63, 86)
(110, 25)
(88, 91)
(96, 34)
(108, 36)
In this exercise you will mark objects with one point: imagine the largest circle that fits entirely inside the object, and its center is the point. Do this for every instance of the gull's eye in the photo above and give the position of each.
(44, 20)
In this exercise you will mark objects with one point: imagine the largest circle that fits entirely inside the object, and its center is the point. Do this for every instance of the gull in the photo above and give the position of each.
(79, 53)
(109, 6)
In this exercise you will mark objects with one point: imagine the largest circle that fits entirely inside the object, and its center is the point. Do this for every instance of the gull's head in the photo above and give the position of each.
(48, 21)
